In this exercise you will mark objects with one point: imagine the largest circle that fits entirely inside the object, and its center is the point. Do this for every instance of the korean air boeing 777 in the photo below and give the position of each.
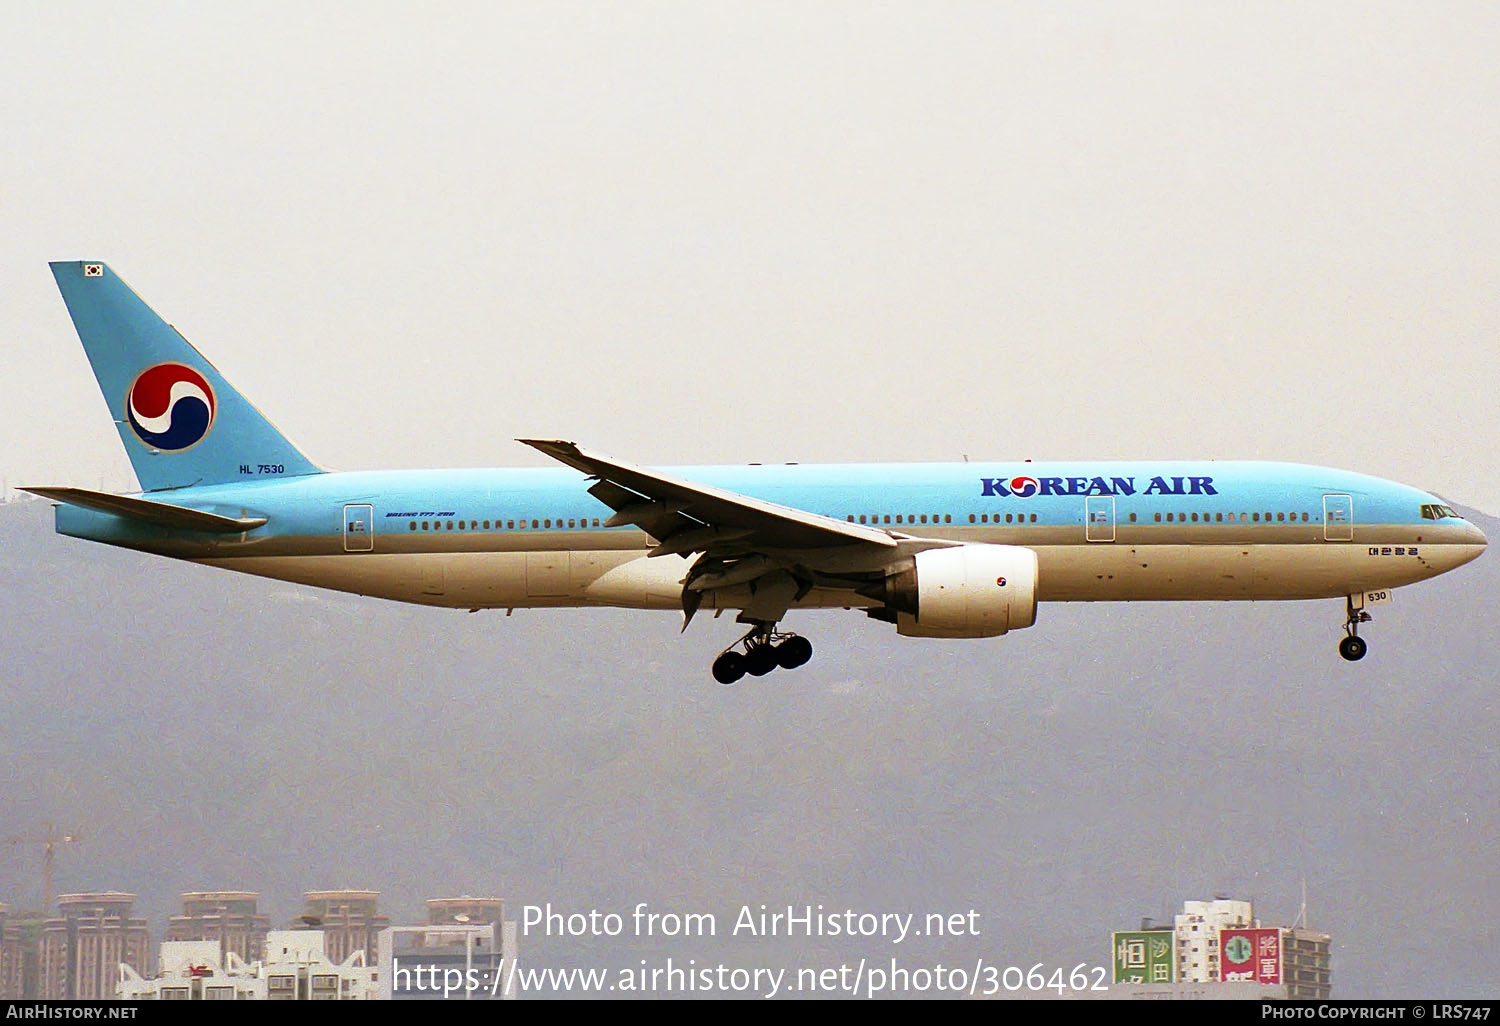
(963, 550)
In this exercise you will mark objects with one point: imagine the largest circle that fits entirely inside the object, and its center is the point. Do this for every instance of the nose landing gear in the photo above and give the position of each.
(1353, 647)
(765, 650)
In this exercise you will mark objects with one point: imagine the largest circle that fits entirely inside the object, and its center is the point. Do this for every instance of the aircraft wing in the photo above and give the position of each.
(666, 507)
(741, 540)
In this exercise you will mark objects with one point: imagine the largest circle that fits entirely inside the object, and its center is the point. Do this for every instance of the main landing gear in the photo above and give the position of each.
(765, 650)
(1353, 647)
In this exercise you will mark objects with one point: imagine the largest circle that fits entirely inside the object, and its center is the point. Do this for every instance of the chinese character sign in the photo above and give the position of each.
(1145, 956)
(1250, 956)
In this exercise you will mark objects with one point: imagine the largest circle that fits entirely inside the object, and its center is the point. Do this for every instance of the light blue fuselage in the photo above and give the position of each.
(1102, 531)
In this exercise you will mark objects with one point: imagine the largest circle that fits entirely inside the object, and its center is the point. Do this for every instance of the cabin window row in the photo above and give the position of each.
(1268, 517)
(923, 518)
(874, 518)
(501, 525)
(1021, 518)
(1281, 517)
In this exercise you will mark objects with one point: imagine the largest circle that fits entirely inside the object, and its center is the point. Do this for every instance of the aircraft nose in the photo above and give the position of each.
(1475, 536)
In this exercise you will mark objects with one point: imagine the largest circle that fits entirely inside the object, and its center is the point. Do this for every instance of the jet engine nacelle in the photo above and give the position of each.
(967, 591)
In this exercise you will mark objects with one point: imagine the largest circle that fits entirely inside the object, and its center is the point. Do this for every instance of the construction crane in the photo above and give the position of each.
(50, 841)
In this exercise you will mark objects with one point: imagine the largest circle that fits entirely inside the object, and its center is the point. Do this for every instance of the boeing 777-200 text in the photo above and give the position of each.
(954, 550)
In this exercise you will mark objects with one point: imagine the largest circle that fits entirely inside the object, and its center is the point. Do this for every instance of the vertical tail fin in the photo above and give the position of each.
(181, 422)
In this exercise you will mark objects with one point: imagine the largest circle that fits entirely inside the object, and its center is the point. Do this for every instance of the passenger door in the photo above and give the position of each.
(1338, 518)
(359, 527)
(1099, 518)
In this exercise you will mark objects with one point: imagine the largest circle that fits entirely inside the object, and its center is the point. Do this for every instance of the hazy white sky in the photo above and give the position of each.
(732, 232)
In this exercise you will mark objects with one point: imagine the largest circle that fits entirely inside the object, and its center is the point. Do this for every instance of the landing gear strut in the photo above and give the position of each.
(765, 650)
(1353, 647)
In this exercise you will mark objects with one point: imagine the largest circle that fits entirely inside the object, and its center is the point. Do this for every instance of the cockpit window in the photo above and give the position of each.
(1436, 512)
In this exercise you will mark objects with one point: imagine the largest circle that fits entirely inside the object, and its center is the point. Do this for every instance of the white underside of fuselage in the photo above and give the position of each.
(1067, 573)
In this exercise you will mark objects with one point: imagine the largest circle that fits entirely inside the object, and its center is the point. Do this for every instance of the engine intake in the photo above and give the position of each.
(967, 591)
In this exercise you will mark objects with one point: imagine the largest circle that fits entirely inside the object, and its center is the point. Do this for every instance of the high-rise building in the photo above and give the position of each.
(20, 939)
(1307, 964)
(83, 946)
(348, 920)
(229, 917)
(467, 951)
(1197, 929)
(11, 956)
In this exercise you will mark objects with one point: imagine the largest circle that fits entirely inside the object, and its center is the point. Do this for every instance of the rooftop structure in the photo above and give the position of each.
(296, 967)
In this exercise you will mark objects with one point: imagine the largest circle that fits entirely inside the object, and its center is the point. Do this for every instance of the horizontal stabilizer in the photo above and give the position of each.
(152, 512)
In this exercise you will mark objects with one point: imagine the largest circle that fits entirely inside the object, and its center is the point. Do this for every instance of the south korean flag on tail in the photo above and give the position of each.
(93, 270)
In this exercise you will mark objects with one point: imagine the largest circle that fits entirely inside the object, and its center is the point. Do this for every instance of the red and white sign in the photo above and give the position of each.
(1250, 956)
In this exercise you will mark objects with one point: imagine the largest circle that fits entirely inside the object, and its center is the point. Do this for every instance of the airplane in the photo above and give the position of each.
(940, 550)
